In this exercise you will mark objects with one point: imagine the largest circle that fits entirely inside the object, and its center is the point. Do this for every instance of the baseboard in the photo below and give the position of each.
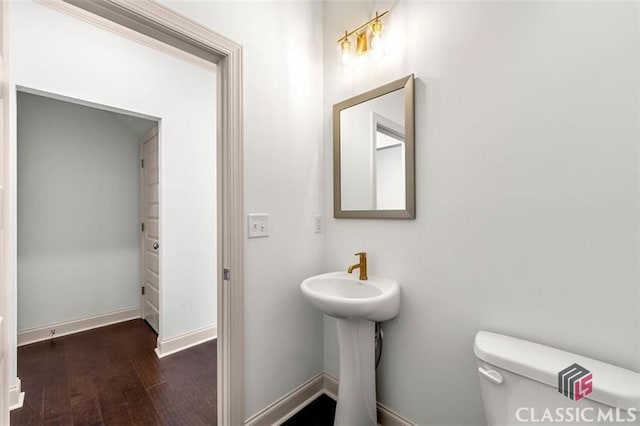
(290, 404)
(388, 417)
(330, 385)
(39, 334)
(184, 341)
(16, 396)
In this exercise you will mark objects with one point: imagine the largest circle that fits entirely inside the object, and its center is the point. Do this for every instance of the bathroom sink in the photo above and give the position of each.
(356, 304)
(343, 295)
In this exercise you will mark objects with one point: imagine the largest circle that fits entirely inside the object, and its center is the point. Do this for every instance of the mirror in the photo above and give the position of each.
(373, 153)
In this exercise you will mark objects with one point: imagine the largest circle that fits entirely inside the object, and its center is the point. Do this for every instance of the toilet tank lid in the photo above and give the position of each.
(613, 386)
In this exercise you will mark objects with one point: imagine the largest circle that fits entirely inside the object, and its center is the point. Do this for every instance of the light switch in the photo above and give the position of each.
(258, 225)
(317, 224)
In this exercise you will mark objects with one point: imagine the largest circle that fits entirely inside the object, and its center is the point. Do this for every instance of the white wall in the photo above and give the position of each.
(78, 212)
(282, 54)
(56, 53)
(527, 189)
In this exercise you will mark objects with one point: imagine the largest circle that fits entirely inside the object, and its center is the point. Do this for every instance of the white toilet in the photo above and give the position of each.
(528, 383)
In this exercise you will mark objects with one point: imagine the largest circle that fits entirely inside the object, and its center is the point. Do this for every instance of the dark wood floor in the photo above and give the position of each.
(320, 412)
(111, 376)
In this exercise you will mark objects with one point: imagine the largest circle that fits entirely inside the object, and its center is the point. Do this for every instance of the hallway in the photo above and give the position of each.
(111, 376)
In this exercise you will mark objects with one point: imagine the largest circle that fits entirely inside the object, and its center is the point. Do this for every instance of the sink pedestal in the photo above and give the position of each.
(357, 393)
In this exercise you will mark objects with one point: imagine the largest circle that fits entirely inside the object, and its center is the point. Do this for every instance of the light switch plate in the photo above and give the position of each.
(258, 225)
(317, 224)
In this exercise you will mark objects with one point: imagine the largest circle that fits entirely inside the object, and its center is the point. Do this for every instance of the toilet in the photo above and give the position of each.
(527, 383)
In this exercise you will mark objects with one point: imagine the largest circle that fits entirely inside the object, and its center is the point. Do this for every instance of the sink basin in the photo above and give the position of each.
(343, 295)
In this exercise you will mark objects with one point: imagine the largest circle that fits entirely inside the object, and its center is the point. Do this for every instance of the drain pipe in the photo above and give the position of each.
(378, 344)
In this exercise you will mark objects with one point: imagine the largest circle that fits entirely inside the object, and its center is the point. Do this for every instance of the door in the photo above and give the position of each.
(150, 237)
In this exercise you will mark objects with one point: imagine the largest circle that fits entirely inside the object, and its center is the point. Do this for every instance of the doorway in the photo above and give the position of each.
(80, 198)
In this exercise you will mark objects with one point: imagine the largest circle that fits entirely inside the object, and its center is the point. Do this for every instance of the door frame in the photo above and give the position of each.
(148, 21)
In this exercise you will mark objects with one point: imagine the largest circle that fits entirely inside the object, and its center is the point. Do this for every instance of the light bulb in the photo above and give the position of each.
(377, 45)
(376, 41)
(345, 52)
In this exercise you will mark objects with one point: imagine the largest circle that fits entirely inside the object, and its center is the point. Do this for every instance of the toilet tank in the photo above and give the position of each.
(527, 383)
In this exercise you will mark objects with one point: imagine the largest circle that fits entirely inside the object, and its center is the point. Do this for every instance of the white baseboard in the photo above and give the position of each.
(16, 396)
(388, 417)
(39, 334)
(331, 386)
(290, 404)
(287, 406)
(184, 341)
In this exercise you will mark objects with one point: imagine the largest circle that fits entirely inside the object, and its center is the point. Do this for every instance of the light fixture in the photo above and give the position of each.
(368, 37)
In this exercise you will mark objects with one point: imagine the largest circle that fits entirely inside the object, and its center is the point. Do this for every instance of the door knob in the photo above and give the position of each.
(155, 246)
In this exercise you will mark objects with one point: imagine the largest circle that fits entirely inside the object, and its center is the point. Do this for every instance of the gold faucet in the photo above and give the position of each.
(362, 265)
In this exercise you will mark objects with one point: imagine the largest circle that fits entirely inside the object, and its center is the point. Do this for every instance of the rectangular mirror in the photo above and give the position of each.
(373, 154)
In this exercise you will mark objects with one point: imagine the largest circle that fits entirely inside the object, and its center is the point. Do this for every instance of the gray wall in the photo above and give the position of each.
(78, 211)
(527, 189)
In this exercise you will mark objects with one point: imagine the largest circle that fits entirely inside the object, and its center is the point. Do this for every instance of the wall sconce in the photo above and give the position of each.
(368, 37)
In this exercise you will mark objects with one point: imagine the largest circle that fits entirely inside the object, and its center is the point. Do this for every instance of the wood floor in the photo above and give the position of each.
(111, 376)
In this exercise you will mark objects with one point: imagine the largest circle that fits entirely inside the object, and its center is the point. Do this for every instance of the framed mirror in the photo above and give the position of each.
(373, 154)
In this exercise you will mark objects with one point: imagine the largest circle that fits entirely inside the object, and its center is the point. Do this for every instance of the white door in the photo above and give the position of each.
(150, 237)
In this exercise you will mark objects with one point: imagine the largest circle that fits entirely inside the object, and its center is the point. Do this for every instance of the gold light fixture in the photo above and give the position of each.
(368, 37)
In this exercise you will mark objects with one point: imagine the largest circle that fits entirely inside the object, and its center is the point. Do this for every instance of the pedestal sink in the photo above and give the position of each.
(356, 305)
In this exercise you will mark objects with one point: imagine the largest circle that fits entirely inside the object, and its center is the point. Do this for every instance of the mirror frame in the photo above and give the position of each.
(406, 83)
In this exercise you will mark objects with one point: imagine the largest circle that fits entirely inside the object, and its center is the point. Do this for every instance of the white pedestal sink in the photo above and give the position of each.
(356, 305)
